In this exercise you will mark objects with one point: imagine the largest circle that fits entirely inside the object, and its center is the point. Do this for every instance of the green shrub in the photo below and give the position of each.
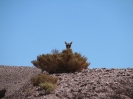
(63, 62)
(48, 87)
(43, 78)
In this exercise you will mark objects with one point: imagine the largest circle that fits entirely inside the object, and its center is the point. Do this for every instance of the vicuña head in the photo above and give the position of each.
(68, 45)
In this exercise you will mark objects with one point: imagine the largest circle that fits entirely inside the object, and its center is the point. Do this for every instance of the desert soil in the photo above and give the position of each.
(94, 83)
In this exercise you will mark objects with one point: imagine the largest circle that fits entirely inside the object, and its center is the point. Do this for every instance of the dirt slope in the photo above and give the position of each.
(89, 84)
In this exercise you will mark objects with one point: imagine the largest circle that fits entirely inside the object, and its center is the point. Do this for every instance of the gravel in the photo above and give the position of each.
(94, 83)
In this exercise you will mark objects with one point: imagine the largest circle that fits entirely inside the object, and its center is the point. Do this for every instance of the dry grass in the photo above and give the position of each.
(43, 78)
(45, 82)
(63, 62)
(48, 87)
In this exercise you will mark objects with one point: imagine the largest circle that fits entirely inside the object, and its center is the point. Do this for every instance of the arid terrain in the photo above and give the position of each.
(94, 83)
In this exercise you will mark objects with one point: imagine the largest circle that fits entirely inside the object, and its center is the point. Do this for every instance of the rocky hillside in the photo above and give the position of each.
(88, 84)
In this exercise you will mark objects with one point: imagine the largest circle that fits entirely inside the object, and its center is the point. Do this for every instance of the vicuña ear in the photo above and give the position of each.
(65, 42)
(71, 42)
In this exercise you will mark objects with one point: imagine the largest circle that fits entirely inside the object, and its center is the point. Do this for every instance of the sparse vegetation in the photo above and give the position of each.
(27, 92)
(48, 87)
(63, 62)
(42, 78)
(57, 62)
(46, 82)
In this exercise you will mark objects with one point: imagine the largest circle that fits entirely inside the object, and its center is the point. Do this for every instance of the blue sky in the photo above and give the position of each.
(102, 30)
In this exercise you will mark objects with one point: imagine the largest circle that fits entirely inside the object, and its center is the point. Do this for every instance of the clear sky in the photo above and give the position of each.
(102, 30)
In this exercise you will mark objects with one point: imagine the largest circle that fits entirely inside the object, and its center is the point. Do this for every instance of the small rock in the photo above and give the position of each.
(70, 95)
(132, 76)
(2, 93)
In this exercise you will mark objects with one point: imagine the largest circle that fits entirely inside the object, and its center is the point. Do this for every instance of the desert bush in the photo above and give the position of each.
(43, 78)
(61, 62)
(48, 87)
(55, 51)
